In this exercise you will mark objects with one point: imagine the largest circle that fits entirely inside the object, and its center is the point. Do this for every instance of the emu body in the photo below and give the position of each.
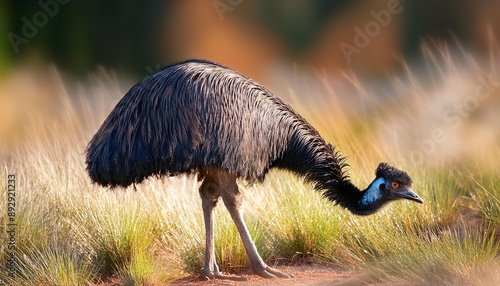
(198, 116)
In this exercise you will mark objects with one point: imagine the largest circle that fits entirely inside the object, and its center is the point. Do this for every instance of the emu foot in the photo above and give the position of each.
(269, 272)
(212, 275)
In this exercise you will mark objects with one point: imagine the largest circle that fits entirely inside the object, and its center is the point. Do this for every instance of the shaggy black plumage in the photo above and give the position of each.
(198, 116)
(393, 174)
(198, 113)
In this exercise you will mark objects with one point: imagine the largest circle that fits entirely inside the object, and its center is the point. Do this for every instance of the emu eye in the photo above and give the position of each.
(395, 185)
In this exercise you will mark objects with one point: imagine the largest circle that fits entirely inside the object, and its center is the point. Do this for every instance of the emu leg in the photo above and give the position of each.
(209, 192)
(231, 197)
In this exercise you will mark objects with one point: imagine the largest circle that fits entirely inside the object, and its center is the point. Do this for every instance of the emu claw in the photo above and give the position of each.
(209, 275)
(268, 272)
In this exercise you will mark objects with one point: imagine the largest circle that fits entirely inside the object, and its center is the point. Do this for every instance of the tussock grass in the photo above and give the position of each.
(308, 234)
(70, 232)
(54, 265)
(487, 195)
(451, 257)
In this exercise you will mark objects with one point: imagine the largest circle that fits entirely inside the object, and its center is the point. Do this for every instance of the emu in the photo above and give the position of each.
(201, 117)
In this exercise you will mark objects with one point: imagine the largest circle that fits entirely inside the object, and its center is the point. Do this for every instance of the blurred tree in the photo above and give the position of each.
(77, 35)
(443, 19)
(298, 23)
(5, 61)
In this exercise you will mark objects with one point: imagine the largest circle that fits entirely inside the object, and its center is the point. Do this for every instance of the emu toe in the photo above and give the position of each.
(211, 275)
(269, 272)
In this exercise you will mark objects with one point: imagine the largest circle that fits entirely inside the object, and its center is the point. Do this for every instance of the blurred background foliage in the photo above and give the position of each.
(300, 49)
(407, 94)
(135, 37)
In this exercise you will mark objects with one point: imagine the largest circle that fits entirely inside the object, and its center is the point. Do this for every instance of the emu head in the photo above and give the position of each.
(390, 184)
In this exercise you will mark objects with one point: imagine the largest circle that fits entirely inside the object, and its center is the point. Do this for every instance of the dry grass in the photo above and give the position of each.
(70, 232)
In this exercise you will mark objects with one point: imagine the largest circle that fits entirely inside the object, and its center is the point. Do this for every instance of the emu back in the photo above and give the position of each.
(195, 114)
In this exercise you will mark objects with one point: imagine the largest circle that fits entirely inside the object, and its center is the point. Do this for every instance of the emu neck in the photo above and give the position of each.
(372, 199)
(358, 202)
(372, 194)
(311, 157)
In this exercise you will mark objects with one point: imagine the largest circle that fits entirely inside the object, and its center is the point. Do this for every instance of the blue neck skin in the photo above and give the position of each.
(372, 193)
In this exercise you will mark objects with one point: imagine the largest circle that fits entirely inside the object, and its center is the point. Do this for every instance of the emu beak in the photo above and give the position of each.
(409, 194)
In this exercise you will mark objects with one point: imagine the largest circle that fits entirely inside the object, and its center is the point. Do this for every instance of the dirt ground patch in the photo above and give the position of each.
(303, 275)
